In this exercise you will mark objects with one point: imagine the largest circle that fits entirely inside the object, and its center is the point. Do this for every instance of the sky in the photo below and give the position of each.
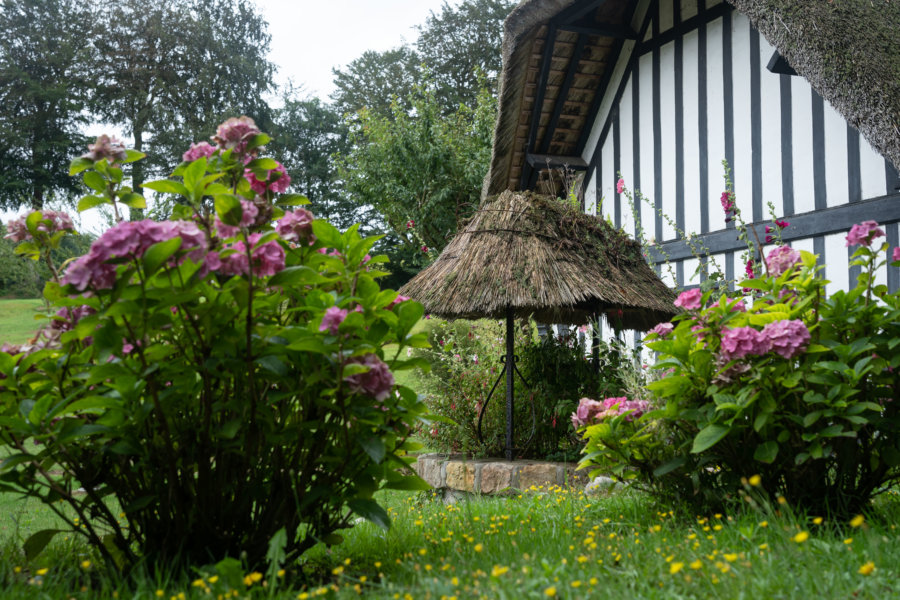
(309, 38)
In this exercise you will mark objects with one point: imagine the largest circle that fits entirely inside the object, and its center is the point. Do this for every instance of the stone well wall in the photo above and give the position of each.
(490, 476)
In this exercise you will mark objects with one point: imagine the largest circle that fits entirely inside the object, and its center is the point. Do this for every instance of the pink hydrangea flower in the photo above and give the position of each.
(249, 212)
(51, 222)
(787, 338)
(739, 342)
(689, 300)
(663, 329)
(410, 224)
(198, 150)
(234, 134)
(895, 254)
(697, 330)
(397, 301)
(68, 316)
(781, 259)
(864, 233)
(620, 185)
(130, 239)
(295, 226)
(277, 180)
(268, 258)
(585, 412)
(377, 382)
(110, 148)
(334, 316)
(739, 306)
(617, 406)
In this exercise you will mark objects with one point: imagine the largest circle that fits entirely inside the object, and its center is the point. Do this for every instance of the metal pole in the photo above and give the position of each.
(510, 383)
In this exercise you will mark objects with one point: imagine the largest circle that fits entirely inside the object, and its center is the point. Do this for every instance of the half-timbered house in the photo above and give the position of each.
(662, 92)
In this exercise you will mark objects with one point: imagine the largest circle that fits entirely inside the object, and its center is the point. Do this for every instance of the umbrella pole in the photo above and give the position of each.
(510, 383)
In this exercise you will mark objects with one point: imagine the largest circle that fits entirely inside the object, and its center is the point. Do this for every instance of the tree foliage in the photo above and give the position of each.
(171, 71)
(453, 48)
(374, 79)
(420, 170)
(459, 43)
(309, 133)
(44, 50)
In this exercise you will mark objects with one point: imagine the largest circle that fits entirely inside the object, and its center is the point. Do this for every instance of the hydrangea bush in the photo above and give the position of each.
(787, 383)
(213, 384)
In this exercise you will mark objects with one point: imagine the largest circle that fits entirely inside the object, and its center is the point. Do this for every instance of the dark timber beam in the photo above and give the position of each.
(612, 30)
(706, 16)
(777, 64)
(822, 222)
(576, 11)
(549, 161)
(538, 102)
(563, 93)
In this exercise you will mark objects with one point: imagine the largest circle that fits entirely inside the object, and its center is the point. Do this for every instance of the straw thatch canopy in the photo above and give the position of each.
(544, 258)
(849, 51)
(558, 57)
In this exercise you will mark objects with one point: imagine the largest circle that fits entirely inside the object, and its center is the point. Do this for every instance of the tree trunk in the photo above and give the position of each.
(137, 173)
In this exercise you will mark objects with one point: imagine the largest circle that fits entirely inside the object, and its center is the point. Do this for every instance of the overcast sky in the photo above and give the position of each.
(310, 37)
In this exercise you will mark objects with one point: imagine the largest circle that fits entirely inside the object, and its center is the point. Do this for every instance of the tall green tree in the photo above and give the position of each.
(308, 135)
(460, 43)
(375, 79)
(455, 47)
(171, 71)
(45, 56)
(421, 171)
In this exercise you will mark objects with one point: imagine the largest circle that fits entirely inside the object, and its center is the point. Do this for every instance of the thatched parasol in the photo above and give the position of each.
(543, 258)
(524, 255)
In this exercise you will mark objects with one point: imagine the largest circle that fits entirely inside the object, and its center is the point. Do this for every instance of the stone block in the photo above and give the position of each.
(460, 476)
(496, 477)
(429, 469)
(537, 474)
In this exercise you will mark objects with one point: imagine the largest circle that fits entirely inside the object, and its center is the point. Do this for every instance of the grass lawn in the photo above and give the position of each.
(17, 323)
(545, 543)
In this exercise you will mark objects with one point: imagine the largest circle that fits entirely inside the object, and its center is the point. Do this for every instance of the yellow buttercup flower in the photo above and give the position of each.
(550, 592)
(867, 568)
(755, 480)
(497, 571)
(675, 567)
(801, 537)
(857, 521)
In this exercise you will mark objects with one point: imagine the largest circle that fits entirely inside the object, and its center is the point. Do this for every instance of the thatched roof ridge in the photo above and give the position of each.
(545, 258)
(519, 31)
(849, 51)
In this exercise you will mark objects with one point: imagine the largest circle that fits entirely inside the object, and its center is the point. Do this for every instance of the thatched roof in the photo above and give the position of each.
(849, 51)
(526, 33)
(545, 258)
